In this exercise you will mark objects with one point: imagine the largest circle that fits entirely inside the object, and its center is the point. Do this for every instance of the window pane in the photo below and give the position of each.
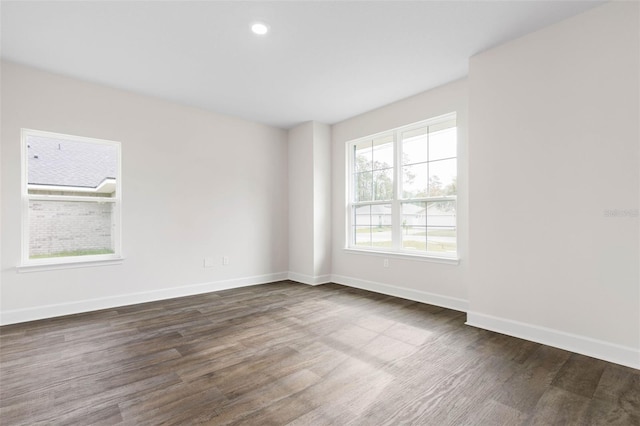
(362, 216)
(70, 228)
(381, 236)
(442, 144)
(414, 214)
(362, 225)
(441, 213)
(414, 180)
(70, 167)
(363, 156)
(414, 146)
(441, 240)
(414, 238)
(362, 236)
(381, 225)
(414, 221)
(383, 184)
(381, 215)
(441, 230)
(364, 186)
(383, 152)
(442, 178)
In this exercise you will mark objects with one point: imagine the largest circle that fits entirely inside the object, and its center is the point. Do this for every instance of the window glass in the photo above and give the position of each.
(70, 228)
(73, 201)
(423, 195)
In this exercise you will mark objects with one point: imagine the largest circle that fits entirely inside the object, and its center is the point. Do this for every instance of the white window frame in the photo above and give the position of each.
(396, 250)
(27, 264)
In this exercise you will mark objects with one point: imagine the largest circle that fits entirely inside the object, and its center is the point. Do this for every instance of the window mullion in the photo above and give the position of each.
(395, 206)
(351, 189)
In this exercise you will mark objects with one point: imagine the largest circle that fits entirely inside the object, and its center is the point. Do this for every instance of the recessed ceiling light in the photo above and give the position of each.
(259, 28)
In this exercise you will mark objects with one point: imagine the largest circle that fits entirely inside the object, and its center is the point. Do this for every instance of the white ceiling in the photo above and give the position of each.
(322, 60)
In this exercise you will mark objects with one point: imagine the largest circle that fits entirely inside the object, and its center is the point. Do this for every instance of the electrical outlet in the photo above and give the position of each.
(225, 260)
(208, 262)
(385, 263)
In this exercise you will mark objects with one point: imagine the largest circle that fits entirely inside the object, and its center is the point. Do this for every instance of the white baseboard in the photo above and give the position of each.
(618, 354)
(404, 293)
(50, 311)
(606, 351)
(308, 279)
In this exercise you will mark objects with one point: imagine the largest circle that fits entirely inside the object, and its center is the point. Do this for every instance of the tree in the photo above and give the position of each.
(435, 188)
(374, 180)
(452, 188)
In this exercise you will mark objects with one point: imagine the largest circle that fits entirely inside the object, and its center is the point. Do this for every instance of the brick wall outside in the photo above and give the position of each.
(61, 226)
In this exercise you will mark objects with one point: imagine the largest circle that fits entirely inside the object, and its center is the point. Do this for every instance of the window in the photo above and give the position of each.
(402, 190)
(71, 199)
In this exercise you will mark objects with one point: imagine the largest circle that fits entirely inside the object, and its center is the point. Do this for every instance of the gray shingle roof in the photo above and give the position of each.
(63, 162)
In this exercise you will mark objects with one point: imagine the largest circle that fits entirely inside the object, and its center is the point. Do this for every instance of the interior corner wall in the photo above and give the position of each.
(554, 185)
(321, 201)
(309, 209)
(416, 279)
(301, 230)
(195, 184)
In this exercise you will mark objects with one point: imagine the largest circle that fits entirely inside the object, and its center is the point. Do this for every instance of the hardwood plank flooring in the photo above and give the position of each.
(286, 353)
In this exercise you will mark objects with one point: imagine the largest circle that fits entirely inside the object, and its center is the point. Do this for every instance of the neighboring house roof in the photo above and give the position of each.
(60, 162)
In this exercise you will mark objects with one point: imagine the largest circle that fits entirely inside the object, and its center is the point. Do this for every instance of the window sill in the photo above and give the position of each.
(71, 264)
(404, 256)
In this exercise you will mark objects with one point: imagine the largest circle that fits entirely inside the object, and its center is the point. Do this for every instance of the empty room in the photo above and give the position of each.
(320, 212)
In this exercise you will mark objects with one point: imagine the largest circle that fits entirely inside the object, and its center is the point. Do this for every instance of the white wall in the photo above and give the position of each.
(548, 144)
(322, 200)
(554, 145)
(437, 283)
(310, 206)
(195, 184)
(301, 230)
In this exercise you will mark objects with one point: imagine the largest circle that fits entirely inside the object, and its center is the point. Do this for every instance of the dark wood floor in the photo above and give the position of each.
(286, 353)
